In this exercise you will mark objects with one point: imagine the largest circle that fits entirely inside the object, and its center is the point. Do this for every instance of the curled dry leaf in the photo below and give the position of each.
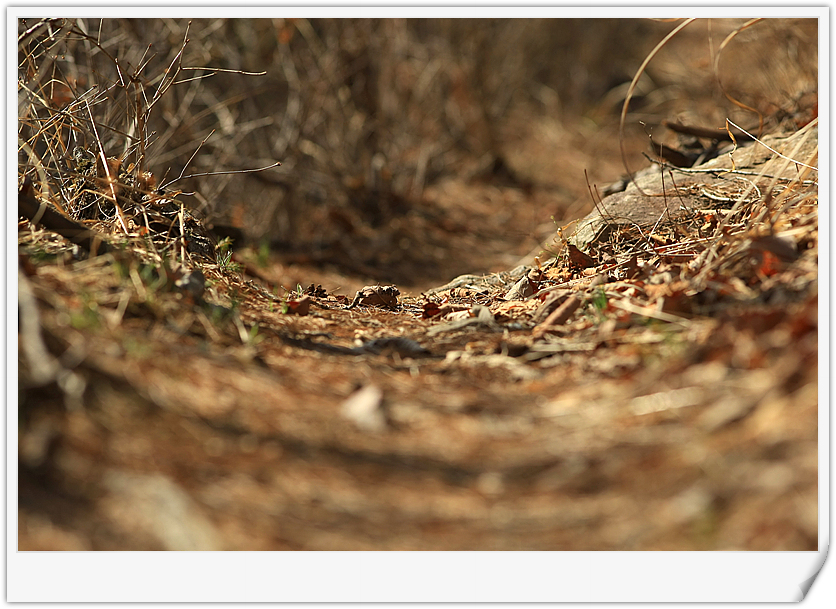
(376, 295)
(578, 259)
(432, 309)
(524, 287)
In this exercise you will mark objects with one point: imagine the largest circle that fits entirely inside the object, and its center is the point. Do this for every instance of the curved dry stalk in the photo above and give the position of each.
(39, 168)
(220, 173)
(632, 88)
(216, 70)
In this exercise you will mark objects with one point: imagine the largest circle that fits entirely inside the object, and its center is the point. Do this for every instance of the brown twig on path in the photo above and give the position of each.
(559, 316)
(720, 134)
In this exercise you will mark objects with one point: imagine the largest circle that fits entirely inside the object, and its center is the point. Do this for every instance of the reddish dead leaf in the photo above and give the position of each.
(770, 264)
(631, 268)
(430, 310)
(449, 307)
(298, 307)
(578, 259)
(677, 302)
(773, 253)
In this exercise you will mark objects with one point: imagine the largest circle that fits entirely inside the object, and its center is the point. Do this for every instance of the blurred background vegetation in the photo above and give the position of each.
(368, 115)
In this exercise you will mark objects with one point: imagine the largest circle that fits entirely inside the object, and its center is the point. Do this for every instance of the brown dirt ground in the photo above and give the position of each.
(172, 426)
(688, 421)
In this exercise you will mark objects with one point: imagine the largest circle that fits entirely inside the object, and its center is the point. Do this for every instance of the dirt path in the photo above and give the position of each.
(656, 390)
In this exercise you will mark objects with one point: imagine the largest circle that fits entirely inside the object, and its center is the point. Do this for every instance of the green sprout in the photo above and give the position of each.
(599, 300)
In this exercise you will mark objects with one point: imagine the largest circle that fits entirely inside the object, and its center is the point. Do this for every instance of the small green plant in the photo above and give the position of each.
(252, 335)
(38, 255)
(235, 298)
(225, 263)
(87, 316)
(153, 278)
(218, 314)
(121, 270)
(599, 300)
(224, 259)
(136, 349)
(263, 255)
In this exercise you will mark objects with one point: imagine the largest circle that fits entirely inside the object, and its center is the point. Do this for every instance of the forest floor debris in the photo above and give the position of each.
(652, 388)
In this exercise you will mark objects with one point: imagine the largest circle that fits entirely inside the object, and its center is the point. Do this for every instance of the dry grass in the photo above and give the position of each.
(366, 115)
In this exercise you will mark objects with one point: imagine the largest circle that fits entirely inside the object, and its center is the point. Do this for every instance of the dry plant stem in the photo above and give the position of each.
(141, 116)
(738, 172)
(215, 71)
(180, 215)
(720, 233)
(798, 180)
(33, 31)
(597, 201)
(632, 88)
(39, 169)
(111, 180)
(171, 72)
(48, 61)
(788, 158)
(648, 312)
(290, 121)
(191, 158)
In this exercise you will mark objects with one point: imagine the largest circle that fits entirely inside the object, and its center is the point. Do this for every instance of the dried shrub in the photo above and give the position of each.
(365, 114)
